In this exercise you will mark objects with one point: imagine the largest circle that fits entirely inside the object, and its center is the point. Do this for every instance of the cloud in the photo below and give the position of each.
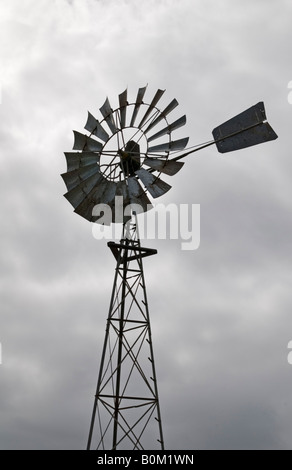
(220, 315)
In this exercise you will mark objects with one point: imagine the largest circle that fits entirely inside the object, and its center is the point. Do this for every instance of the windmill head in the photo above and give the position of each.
(128, 150)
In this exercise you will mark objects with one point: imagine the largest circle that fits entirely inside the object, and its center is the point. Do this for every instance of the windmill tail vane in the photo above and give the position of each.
(244, 130)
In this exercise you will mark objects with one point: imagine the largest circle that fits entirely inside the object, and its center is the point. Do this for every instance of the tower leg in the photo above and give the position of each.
(126, 411)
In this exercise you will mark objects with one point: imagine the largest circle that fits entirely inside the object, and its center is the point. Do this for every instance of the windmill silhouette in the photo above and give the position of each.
(117, 165)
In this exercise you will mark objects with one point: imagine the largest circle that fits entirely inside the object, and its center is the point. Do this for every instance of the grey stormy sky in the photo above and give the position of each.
(220, 315)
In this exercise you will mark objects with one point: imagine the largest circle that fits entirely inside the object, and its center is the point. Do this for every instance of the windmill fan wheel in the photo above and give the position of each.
(124, 155)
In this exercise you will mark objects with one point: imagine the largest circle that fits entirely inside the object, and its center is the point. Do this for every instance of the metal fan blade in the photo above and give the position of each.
(76, 160)
(123, 108)
(162, 115)
(137, 195)
(94, 197)
(116, 213)
(139, 101)
(75, 177)
(105, 193)
(154, 185)
(122, 200)
(168, 129)
(168, 167)
(108, 195)
(107, 113)
(76, 195)
(152, 105)
(85, 209)
(244, 130)
(94, 127)
(122, 191)
(170, 146)
(83, 142)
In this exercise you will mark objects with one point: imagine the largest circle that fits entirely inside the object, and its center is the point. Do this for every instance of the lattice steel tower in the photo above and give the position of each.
(126, 399)
(103, 180)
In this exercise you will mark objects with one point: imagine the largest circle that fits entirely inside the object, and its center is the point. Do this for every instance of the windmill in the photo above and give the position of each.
(112, 171)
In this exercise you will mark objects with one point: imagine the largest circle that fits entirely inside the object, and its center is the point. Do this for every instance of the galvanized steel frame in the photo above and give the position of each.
(129, 418)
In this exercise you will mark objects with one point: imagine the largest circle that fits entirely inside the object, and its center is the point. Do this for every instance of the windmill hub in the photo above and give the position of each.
(130, 158)
(123, 154)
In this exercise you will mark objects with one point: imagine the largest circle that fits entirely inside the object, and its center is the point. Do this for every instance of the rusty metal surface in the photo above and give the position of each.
(139, 101)
(107, 113)
(168, 129)
(165, 166)
(123, 108)
(76, 160)
(83, 142)
(152, 105)
(93, 125)
(169, 146)
(154, 185)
